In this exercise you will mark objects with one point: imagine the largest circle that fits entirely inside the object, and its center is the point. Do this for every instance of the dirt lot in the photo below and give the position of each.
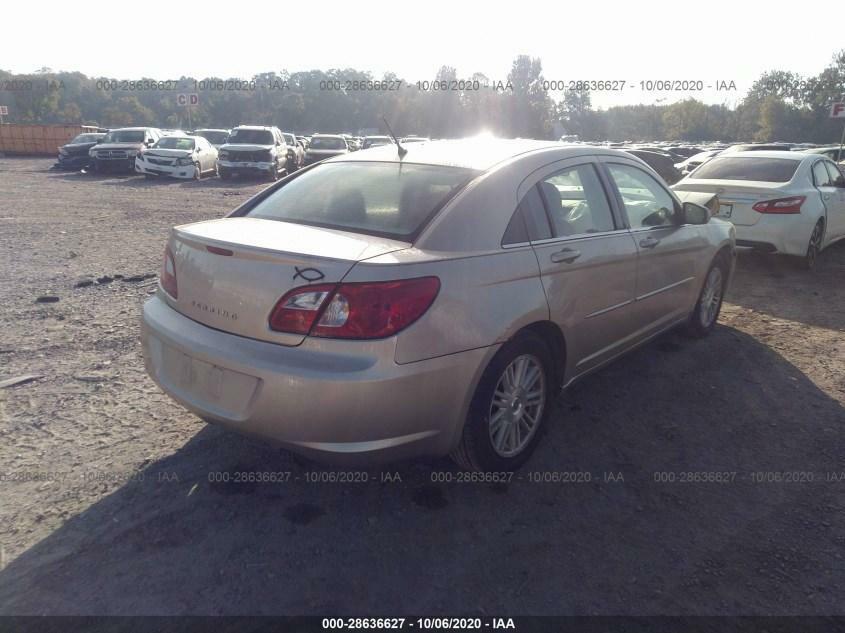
(106, 503)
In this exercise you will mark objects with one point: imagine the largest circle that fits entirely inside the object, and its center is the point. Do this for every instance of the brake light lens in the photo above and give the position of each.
(168, 274)
(781, 205)
(354, 310)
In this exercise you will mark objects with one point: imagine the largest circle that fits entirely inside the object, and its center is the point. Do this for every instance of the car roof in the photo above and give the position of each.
(132, 129)
(254, 127)
(211, 129)
(480, 154)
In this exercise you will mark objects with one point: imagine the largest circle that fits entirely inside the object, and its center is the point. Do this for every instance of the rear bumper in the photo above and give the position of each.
(341, 401)
(788, 234)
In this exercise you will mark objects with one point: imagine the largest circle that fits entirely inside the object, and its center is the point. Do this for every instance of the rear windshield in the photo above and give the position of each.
(328, 142)
(175, 142)
(391, 200)
(756, 169)
(251, 137)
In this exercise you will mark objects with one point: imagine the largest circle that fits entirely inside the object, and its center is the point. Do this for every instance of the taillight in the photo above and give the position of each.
(168, 274)
(354, 310)
(781, 205)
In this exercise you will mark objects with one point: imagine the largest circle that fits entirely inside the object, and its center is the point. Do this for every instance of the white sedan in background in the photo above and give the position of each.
(779, 202)
(178, 157)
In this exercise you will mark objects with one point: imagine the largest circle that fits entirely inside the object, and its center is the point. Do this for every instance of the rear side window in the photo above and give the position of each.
(835, 172)
(392, 200)
(576, 202)
(529, 221)
(748, 168)
(820, 176)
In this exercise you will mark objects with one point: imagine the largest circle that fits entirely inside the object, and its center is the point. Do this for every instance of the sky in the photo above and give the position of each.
(709, 42)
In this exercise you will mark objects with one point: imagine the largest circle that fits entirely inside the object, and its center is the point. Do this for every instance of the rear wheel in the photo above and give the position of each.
(706, 313)
(508, 408)
(814, 247)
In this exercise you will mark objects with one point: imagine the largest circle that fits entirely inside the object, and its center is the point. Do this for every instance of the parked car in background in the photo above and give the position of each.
(75, 154)
(779, 202)
(360, 310)
(296, 153)
(178, 157)
(253, 149)
(324, 146)
(302, 140)
(375, 141)
(117, 149)
(759, 147)
(833, 152)
(215, 136)
(691, 163)
(660, 162)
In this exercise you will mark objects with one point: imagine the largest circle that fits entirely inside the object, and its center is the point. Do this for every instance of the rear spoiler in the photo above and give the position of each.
(709, 200)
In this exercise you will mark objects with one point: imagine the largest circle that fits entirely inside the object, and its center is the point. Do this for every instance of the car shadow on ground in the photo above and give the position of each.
(761, 279)
(618, 512)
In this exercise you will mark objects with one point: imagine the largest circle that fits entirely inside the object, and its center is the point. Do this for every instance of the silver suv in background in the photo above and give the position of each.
(118, 149)
(253, 150)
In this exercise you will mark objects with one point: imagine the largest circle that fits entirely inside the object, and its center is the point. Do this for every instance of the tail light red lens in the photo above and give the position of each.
(168, 274)
(781, 205)
(354, 310)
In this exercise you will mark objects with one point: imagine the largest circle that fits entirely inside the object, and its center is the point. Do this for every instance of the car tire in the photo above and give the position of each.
(814, 247)
(706, 312)
(223, 173)
(197, 171)
(274, 173)
(498, 434)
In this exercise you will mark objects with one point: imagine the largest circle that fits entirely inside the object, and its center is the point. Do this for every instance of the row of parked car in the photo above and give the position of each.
(246, 149)
(673, 162)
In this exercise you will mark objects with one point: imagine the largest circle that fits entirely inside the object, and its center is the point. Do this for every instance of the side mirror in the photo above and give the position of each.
(695, 213)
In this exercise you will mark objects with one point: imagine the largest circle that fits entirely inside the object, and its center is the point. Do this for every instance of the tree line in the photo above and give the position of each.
(780, 106)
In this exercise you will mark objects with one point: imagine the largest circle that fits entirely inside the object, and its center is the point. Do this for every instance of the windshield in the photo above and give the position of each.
(251, 137)
(387, 199)
(215, 138)
(175, 142)
(86, 138)
(124, 136)
(327, 142)
(289, 139)
(754, 169)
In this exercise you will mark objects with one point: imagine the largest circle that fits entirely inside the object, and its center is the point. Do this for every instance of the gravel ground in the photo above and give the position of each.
(107, 504)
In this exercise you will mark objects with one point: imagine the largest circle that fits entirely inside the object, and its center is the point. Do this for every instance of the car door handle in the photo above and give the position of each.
(567, 255)
(649, 242)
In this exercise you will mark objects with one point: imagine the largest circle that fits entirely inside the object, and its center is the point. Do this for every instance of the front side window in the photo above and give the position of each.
(576, 202)
(646, 202)
(835, 172)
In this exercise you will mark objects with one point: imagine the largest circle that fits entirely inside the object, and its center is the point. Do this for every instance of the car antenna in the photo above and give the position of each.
(402, 151)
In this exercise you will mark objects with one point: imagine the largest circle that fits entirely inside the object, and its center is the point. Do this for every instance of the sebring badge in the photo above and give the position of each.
(308, 274)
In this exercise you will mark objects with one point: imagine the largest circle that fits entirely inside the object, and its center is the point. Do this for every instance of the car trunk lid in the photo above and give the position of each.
(231, 272)
(736, 197)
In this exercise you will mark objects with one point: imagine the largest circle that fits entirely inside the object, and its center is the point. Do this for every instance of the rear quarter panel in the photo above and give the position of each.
(484, 298)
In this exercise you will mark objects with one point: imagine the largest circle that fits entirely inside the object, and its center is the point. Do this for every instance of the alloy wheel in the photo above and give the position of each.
(517, 405)
(711, 297)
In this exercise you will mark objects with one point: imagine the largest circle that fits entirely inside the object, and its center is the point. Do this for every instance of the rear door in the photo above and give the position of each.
(587, 259)
(837, 210)
(669, 252)
(831, 197)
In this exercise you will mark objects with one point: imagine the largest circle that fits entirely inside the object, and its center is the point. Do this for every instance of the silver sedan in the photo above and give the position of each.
(380, 306)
